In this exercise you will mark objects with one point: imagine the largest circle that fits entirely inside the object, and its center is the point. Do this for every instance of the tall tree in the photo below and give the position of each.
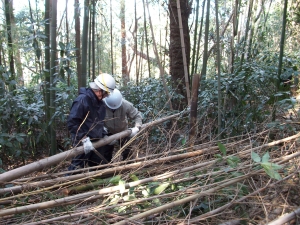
(111, 40)
(19, 72)
(84, 39)
(184, 59)
(47, 65)
(146, 38)
(10, 44)
(245, 39)
(176, 58)
(93, 39)
(205, 51)
(125, 74)
(218, 71)
(195, 38)
(53, 74)
(77, 41)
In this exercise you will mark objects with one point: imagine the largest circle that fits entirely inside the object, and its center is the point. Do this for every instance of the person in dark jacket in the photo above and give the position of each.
(86, 120)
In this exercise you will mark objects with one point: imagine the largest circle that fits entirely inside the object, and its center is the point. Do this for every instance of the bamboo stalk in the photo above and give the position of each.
(286, 218)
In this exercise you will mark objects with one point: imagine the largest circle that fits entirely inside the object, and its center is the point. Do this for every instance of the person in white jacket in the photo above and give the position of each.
(118, 113)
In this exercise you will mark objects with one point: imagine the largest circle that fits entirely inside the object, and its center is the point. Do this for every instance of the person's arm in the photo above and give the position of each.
(75, 120)
(135, 115)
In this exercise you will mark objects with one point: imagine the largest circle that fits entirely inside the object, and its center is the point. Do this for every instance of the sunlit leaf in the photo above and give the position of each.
(115, 179)
(160, 188)
(255, 157)
(265, 157)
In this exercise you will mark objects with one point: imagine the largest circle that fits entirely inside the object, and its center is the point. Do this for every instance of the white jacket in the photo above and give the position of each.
(117, 120)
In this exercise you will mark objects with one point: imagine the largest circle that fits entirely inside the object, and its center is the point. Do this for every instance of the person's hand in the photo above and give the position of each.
(134, 131)
(87, 145)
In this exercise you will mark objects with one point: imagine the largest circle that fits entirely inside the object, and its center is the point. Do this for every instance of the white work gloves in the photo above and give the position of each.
(87, 145)
(134, 131)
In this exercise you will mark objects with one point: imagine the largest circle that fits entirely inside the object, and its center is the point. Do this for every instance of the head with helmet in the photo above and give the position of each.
(103, 85)
(114, 100)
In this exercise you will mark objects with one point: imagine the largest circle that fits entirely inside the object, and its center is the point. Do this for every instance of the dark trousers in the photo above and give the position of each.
(92, 159)
(126, 153)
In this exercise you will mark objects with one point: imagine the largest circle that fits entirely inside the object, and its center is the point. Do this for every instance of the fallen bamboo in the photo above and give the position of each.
(286, 218)
(81, 197)
(56, 159)
(226, 206)
(181, 201)
(96, 194)
(53, 182)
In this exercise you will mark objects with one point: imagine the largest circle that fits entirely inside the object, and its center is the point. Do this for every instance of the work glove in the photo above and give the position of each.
(105, 131)
(134, 131)
(87, 145)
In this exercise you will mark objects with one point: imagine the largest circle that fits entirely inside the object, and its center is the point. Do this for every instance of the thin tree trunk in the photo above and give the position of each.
(185, 66)
(68, 43)
(125, 75)
(246, 31)
(77, 42)
(111, 40)
(93, 40)
(90, 43)
(10, 45)
(281, 53)
(135, 45)
(146, 38)
(195, 39)
(219, 73)
(85, 43)
(205, 53)
(199, 37)
(53, 75)
(234, 33)
(47, 66)
(19, 74)
(158, 60)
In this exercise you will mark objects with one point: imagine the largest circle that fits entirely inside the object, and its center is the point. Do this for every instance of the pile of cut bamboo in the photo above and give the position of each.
(211, 183)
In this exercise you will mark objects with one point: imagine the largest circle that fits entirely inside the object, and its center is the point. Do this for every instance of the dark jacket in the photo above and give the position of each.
(86, 117)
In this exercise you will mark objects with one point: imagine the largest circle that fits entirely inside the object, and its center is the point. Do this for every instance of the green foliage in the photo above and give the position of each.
(232, 161)
(150, 99)
(270, 168)
(249, 94)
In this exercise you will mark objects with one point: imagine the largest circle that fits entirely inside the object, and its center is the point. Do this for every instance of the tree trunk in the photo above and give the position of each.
(84, 44)
(53, 75)
(176, 62)
(10, 45)
(125, 75)
(47, 67)
(19, 74)
(77, 42)
(146, 38)
(205, 52)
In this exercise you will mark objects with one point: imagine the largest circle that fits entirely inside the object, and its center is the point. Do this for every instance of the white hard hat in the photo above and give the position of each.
(114, 100)
(105, 82)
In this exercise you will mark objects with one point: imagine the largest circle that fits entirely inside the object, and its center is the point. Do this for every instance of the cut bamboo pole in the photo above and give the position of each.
(286, 218)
